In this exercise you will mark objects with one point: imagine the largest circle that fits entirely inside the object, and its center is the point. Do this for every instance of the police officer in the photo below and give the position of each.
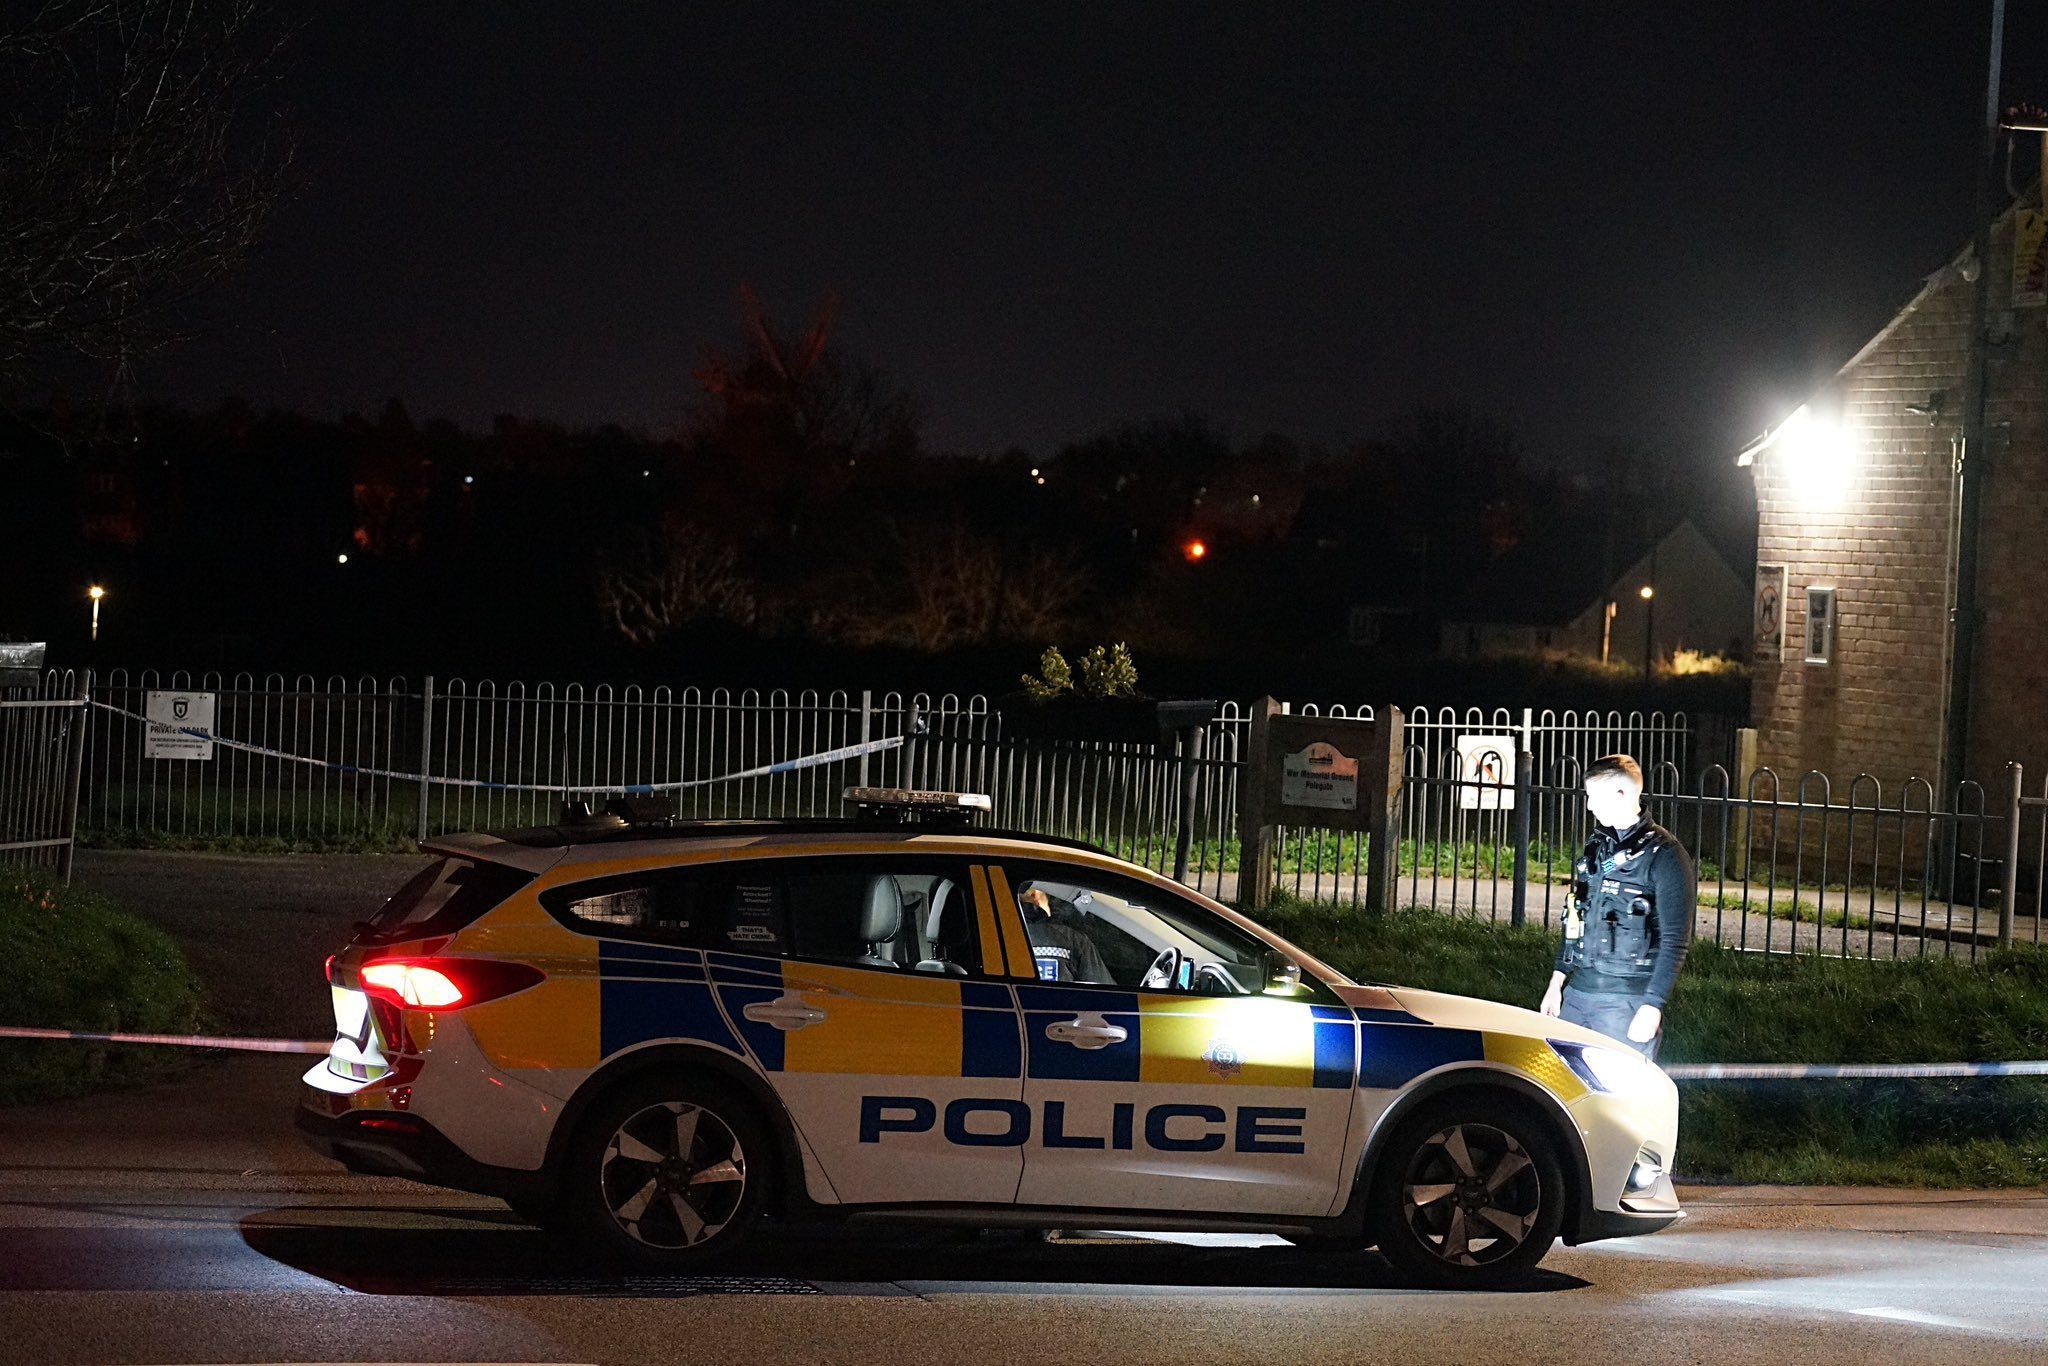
(1062, 953)
(1628, 920)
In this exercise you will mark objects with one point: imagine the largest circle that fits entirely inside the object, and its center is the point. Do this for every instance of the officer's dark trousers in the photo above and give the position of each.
(1610, 1015)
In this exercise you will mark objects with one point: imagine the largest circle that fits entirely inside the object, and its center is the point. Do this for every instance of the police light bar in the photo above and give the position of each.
(904, 803)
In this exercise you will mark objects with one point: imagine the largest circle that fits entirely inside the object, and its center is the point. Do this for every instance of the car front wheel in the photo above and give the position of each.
(667, 1174)
(1470, 1193)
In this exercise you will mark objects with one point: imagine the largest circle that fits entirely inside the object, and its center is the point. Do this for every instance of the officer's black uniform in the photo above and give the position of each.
(1627, 927)
(1063, 953)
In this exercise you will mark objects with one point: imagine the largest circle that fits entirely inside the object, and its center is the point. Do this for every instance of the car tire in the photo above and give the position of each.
(1469, 1192)
(666, 1174)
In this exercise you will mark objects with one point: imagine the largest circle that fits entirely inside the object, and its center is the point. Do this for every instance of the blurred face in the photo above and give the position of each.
(1615, 800)
(1036, 900)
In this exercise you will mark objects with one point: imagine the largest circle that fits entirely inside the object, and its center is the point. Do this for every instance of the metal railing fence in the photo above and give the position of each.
(1782, 865)
(443, 733)
(1785, 864)
(42, 739)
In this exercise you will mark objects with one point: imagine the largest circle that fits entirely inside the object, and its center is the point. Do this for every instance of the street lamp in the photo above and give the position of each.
(1648, 594)
(95, 593)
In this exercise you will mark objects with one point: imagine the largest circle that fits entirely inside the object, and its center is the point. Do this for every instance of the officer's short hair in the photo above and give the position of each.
(1613, 764)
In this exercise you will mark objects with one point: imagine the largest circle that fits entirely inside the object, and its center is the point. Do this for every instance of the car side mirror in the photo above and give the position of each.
(1283, 977)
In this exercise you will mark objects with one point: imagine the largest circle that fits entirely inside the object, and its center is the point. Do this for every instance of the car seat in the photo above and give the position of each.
(881, 923)
(948, 930)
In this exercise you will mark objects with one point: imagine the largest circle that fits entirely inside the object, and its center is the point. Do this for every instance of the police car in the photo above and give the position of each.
(651, 1034)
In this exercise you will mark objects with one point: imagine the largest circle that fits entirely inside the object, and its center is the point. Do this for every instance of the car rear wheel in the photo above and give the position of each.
(667, 1174)
(1470, 1192)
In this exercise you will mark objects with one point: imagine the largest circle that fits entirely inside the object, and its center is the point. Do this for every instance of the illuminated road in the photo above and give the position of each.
(185, 1223)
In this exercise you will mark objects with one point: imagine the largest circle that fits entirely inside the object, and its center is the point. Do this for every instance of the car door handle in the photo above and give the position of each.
(784, 1012)
(1086, 1031)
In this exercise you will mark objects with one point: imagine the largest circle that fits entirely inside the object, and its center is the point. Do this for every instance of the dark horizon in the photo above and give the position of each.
(1046, 223)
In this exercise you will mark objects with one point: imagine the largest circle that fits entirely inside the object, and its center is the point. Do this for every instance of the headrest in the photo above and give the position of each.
(881, 919)
(948, 926)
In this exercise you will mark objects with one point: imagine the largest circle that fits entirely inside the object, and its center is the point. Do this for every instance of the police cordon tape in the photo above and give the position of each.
(1872, 1071)
(1713, 1071)
(175, 1040)
(830, 756)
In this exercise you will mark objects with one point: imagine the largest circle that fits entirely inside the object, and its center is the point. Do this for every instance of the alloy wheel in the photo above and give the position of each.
(1472, 1194)
(673, 1175)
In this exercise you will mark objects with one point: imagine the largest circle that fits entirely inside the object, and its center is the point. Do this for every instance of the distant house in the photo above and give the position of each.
(1556, 599)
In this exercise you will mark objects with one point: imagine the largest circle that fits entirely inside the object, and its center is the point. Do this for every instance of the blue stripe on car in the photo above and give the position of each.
(1336, 1042)
(1394, 1055)
(989, 1046)
(1053, 1060)
(632, 1011)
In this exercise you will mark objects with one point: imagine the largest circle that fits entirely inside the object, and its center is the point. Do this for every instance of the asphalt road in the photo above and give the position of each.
(184, 1222)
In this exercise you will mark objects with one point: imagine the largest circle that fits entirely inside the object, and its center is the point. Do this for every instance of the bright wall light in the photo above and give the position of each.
(1818, 456)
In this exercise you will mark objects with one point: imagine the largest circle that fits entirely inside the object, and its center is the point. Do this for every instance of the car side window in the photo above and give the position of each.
(899, 915)
(1094, 927)
(684, 907)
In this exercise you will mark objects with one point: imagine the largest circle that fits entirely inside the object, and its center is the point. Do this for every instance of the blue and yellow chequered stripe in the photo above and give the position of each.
(917, 1026)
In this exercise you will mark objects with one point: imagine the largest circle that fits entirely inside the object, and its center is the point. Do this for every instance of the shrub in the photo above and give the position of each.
(70, 959)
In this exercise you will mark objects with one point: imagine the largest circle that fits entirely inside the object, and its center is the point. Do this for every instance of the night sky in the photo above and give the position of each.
(1642, 221)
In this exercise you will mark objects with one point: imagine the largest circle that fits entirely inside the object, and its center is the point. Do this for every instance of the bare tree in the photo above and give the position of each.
(684, 575)
(953, 588)
(139, 159)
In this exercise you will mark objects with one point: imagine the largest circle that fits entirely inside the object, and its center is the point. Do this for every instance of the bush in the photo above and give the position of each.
(1732, 1007)
(70, 959)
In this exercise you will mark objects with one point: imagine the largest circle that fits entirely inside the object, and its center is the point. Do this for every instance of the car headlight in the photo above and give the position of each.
(1604, 1069)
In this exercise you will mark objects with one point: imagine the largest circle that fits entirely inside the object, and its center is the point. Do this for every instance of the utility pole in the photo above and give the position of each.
(1970, 464)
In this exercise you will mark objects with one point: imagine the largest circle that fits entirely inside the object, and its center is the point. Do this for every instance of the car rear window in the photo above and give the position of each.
(443, 898)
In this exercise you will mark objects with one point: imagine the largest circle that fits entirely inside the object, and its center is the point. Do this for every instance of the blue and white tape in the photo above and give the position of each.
(1872, 1071)
(1790, 1071)
(830, 756)
(174, 1040)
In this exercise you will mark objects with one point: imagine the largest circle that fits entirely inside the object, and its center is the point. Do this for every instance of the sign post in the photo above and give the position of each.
(1337, 773)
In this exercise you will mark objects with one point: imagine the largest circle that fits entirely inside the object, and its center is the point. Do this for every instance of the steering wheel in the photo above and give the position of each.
(1164, 974)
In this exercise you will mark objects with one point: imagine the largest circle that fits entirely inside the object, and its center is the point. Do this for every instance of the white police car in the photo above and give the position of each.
(650, 1034)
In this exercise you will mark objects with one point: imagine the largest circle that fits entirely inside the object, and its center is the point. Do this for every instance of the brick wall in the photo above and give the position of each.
(2010, 718)
(1884, 541)
(1881, 538)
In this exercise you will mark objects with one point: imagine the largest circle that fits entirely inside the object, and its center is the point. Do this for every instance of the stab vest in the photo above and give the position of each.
(1610, 924)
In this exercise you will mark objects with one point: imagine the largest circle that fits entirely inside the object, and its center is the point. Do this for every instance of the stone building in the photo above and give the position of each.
(1858, 511)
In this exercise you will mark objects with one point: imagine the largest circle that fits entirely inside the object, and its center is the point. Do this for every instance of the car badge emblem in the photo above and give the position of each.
(1224, 1061)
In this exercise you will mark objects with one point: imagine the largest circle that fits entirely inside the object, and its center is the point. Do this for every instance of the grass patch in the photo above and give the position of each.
(386, 841)
(1732, 1006)
(71, 959)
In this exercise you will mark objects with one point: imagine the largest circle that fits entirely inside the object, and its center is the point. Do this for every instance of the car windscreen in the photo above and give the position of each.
(441, 899)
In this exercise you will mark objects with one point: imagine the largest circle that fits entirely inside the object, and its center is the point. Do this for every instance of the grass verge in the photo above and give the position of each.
(1736, 1007)
(71, 959)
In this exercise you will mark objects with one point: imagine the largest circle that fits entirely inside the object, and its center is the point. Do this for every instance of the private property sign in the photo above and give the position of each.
(171, 715)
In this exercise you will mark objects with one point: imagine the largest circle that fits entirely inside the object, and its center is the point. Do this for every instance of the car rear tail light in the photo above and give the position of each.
(329, 968)
(444, 983)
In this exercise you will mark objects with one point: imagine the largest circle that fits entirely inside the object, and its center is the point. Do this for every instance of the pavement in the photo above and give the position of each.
(296, 907)
(184, 1222)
